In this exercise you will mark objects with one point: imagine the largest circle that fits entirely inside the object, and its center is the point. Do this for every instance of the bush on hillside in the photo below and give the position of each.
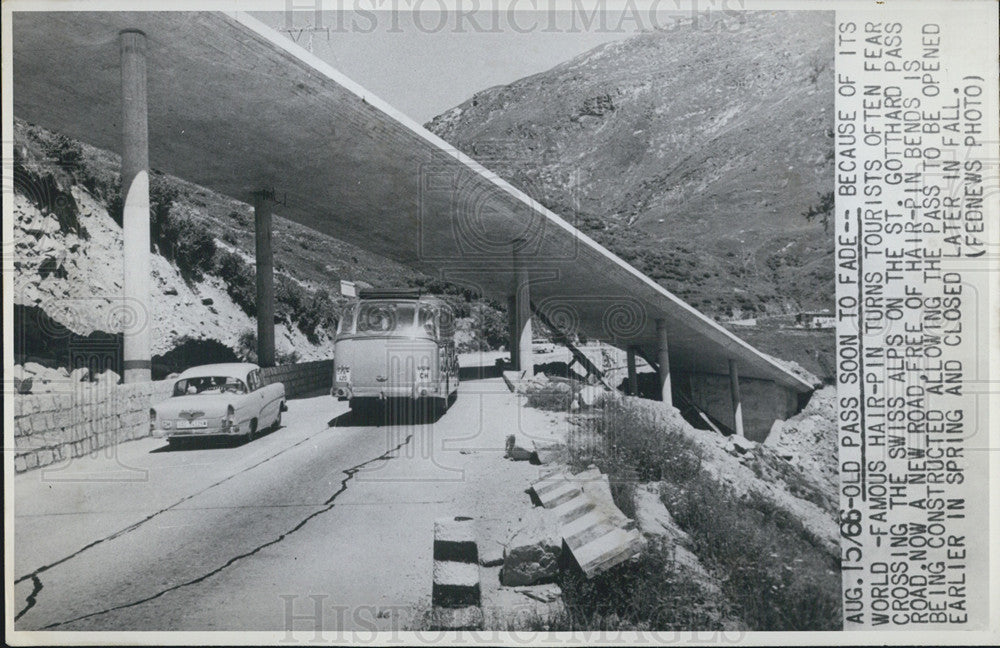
(650, 593)
(240, 280)
(67, 153)
(553, 396)
(770, 567)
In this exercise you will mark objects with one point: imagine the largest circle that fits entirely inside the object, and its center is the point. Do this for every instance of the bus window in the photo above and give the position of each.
(345, 325)
(446, 322)
(385, 317)
(428, 320)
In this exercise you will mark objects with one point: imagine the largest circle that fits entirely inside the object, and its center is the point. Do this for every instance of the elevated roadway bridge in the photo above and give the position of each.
(224, 101)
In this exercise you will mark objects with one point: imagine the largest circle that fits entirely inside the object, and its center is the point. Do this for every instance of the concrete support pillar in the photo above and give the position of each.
(265, 279)
(513, 335)
(136, 281)
(633, 377)
(525, 355)
(519, 318)
(663, 359)
(734, 390)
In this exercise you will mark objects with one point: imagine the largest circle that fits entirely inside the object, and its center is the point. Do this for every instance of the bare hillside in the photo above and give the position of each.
(692, 153)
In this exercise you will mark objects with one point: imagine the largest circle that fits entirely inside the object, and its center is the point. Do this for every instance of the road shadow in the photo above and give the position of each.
(391, 412)
(221, 442)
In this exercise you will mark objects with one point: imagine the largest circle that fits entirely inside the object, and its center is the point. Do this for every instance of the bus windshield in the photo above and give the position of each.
(377, 318)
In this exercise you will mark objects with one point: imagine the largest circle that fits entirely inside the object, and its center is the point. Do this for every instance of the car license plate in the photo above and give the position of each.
(188, 425)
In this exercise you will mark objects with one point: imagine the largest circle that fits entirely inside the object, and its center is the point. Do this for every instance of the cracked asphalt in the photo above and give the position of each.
(219, 536)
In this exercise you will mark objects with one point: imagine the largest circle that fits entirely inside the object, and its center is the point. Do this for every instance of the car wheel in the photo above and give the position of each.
(252, 432)
(277, 419)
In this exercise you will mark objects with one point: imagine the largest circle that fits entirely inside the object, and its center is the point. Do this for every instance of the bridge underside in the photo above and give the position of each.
(238, 108)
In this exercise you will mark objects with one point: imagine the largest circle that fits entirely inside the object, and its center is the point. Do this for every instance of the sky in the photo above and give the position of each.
(423, 64)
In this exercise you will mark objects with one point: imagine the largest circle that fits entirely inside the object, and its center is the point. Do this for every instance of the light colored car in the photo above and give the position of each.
(542, 346)
(218, 399)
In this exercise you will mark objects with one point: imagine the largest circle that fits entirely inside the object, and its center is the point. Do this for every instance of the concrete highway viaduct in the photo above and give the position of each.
(226, 102)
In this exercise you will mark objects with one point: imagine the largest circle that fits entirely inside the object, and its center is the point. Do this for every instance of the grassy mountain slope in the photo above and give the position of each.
(692, 153)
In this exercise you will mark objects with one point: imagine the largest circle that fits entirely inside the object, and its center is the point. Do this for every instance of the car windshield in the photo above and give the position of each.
(209, 385)
(376, 318)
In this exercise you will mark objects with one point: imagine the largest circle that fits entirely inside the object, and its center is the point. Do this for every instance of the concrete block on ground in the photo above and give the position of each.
(596, 532)
(533, 553)
(455, 582)
(606, 551)
(554, 489)
(492, 556)
(455, 540)
(573, 508)
(517, 452)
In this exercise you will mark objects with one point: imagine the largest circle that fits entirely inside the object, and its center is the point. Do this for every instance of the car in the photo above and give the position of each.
(543, 346)
(230, 399)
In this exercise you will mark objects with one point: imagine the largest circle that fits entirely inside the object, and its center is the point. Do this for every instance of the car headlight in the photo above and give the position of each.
(343, 374)
(166, 424)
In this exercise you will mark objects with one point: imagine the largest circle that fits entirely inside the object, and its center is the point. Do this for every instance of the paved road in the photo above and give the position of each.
(225, 537)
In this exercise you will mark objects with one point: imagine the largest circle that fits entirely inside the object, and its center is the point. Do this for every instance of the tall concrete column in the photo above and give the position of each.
(734, 390)
(136, 281)
(513, 332)
(633, 377)
(265, 279)
(519, 312)
(663, 358)
(525, 355)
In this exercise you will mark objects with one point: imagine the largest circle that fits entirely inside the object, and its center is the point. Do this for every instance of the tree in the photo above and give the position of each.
(823, 210)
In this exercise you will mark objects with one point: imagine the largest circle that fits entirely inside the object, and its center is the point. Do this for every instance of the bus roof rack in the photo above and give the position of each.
(389, 293)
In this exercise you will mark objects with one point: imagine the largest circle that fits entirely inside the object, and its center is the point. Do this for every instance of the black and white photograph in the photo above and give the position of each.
(339, 321)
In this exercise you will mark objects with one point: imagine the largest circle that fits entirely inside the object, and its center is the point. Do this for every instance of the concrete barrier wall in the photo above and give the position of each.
(88, 417)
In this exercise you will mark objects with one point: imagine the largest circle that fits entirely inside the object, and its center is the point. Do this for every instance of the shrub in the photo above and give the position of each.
(770, 567)
(246, 347)
(553, 396)
(651, 592)
(240, 280)
(188, 242)
(67, 153)
(490, 325)
(308, 310)
(634, 436)
(317, 310)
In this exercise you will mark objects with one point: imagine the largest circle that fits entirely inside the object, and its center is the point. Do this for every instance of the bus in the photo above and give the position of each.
(396, 344)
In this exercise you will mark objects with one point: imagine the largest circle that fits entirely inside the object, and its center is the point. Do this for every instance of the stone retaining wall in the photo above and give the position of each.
(303, 378)
(87, 417)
